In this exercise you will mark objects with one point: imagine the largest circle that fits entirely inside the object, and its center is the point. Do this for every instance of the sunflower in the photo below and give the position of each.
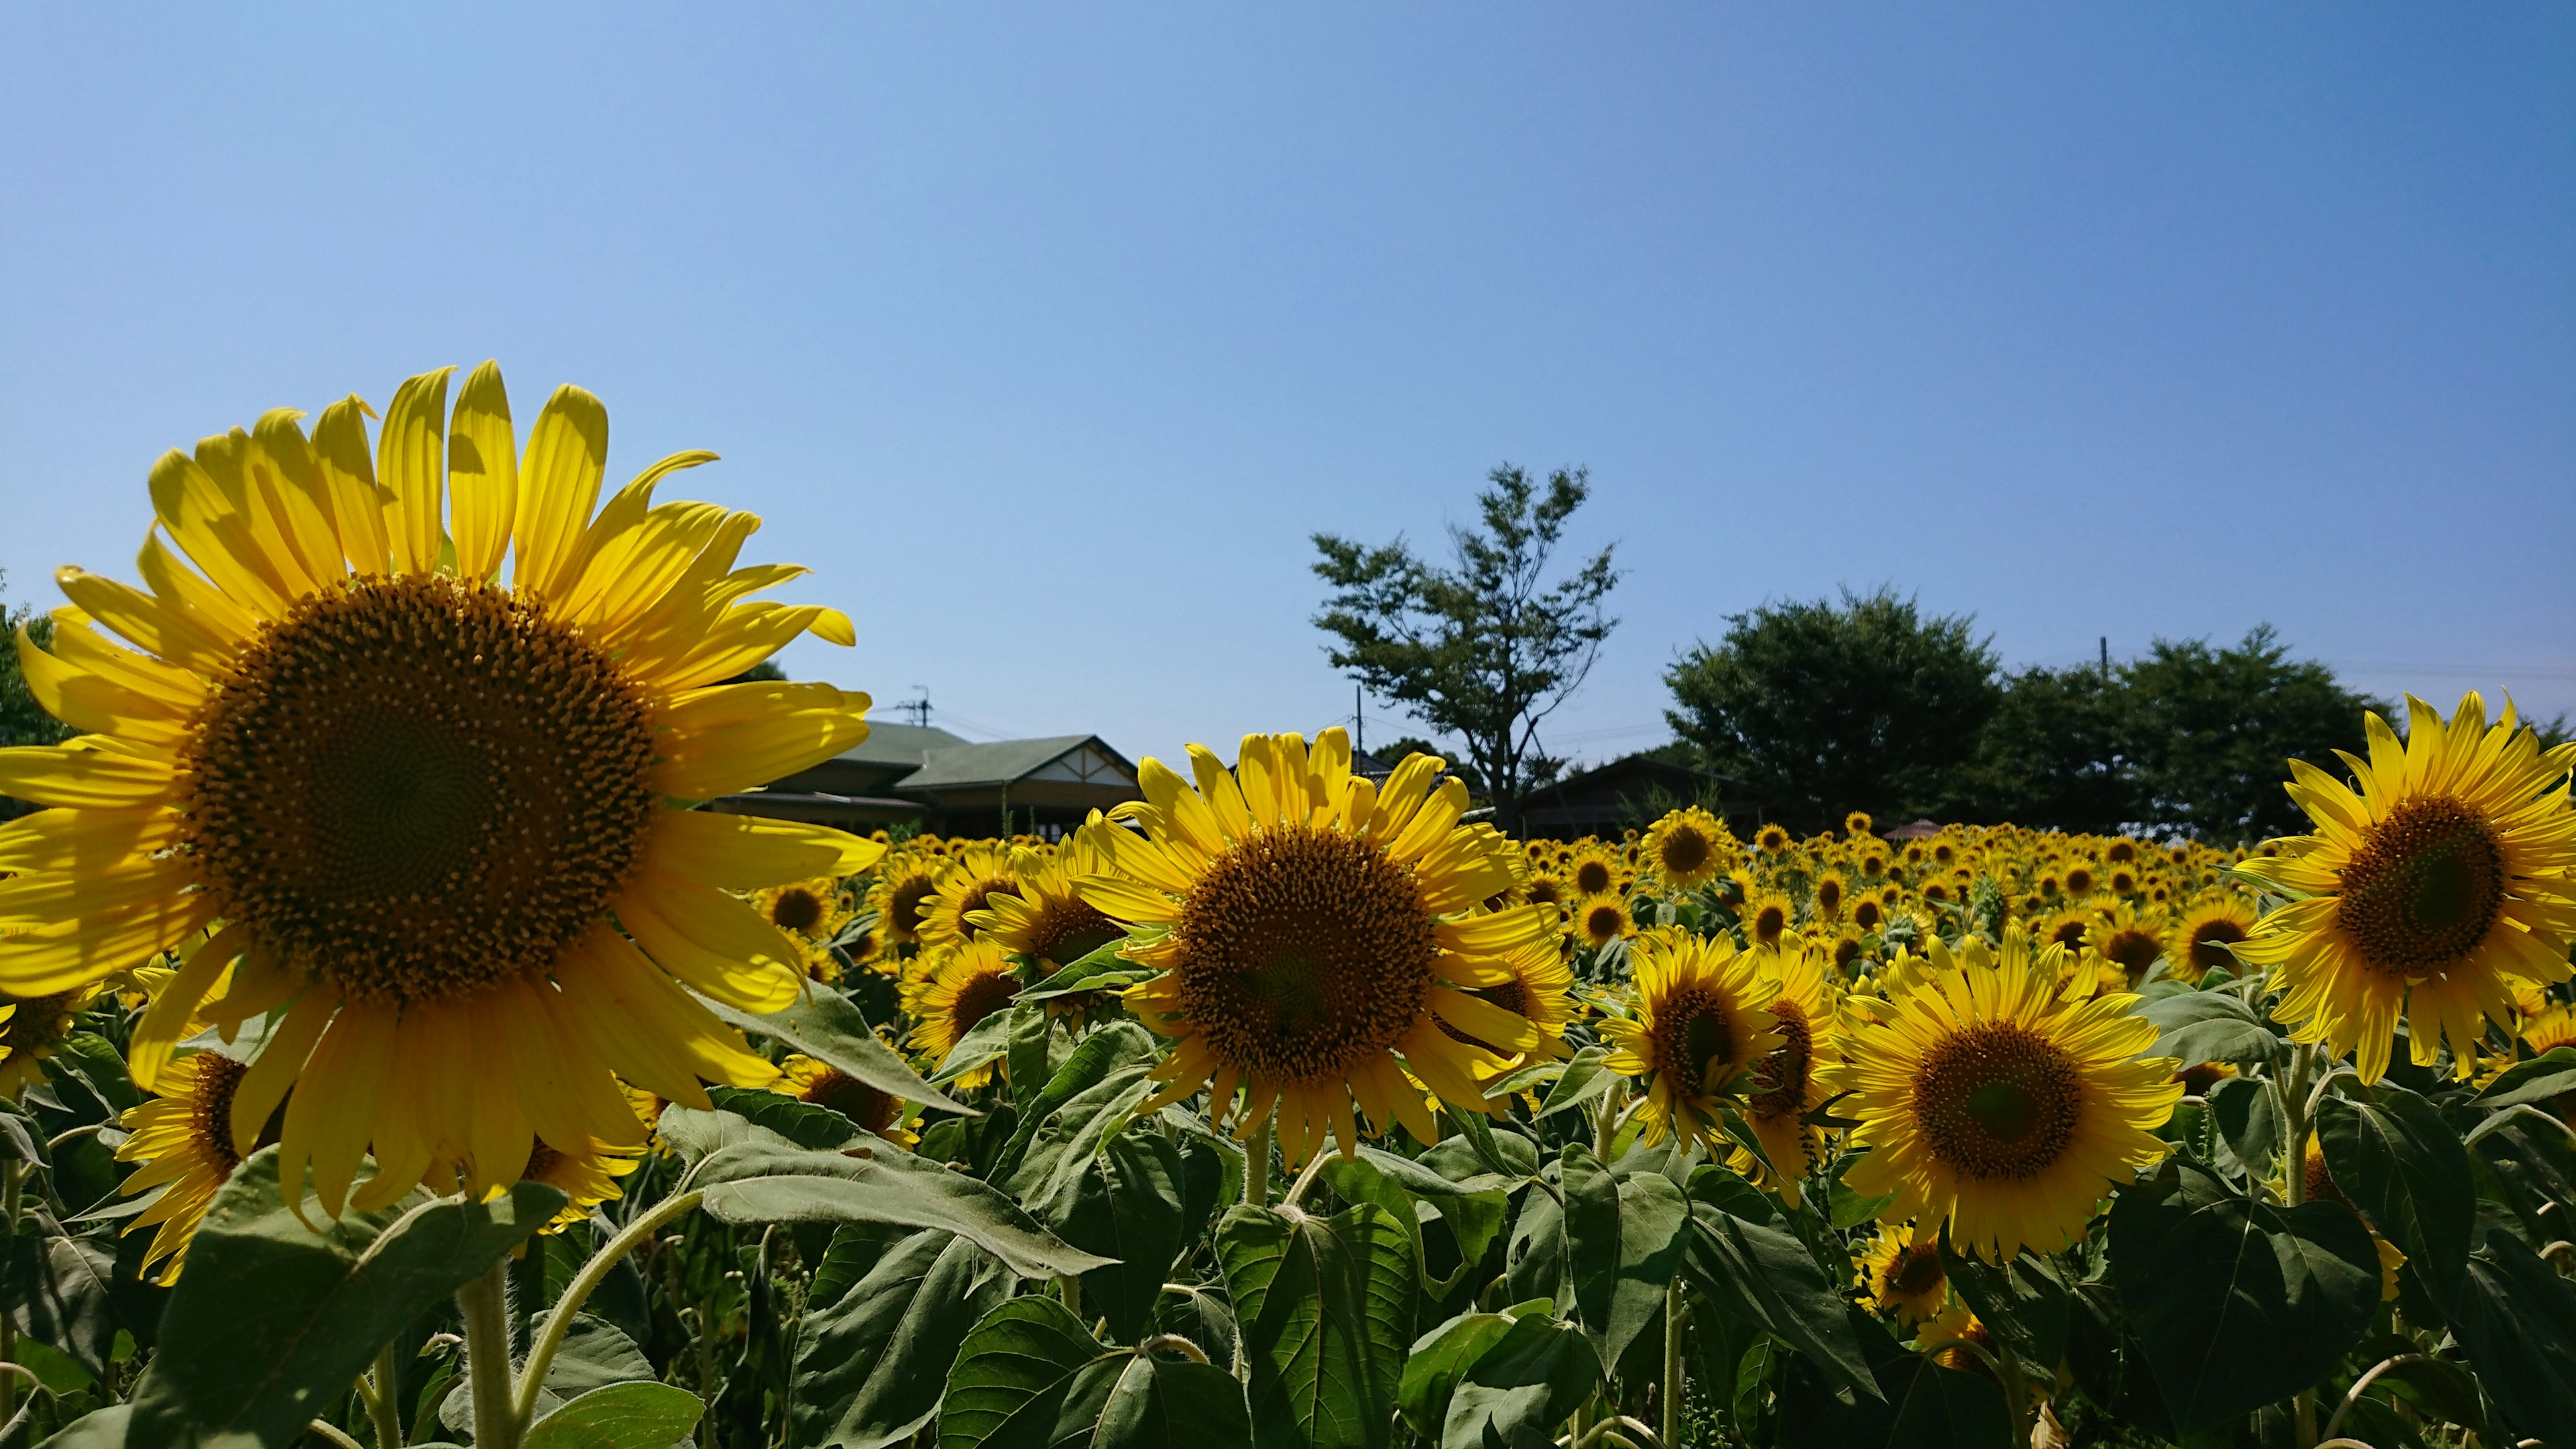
(1771, 839)
(1985, 1101)
(2447, 874)
(1767, 917)
(2079, 878)
(414, 798)
(1847, 948)
(2067, 927)
(1870, 861)
(1858, 825)
(1537, 993)
(1047, 920)
(587, 1179)
(1789, 1083)
(903, 891)
(2125, 936)
(1599, 920)
(1546, 887)
(1701, 1033)
(1594, 872)
(810, 913)
(2199, 940)
(31, 1027)
(1689, 848)
(1831, 895)
(183, 1138)
(1319, 926)
(871, 1109)
(960, 988)
(970, 884)
(1901, 1273)
(1867, 914)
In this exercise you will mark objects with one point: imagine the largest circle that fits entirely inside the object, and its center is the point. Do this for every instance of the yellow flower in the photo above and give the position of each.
(1987, 1102)
(1595, 871)
(2201, 936)
(1790, 1081)
(960, 989)
(413, 798)
(973, 881)
(870, 1108)
(587, 1178)
(1689, 848)
(1858, 825)
(1768, 917)
(1317, 927)
(2134, 941)
(2424, 893)
(811, 913)
(1600, 920)
(1700, 1032)
(1901, 1273)
(905, 886)
(31, 1027)
(1771, 839)
(1047, 920)
(1832, 894)
(183, 1138)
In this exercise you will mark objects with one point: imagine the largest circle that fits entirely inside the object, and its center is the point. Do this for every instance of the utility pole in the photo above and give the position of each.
(1359, 720)
(2106, 659)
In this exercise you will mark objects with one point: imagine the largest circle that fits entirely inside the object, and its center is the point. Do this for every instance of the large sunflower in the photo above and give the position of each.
(2450, 872)
(1689, 848)
(183, 1139)
(414, 799)
(1701, 1032)
(1986, 1101)
(1790, 1081)
(1318, 927)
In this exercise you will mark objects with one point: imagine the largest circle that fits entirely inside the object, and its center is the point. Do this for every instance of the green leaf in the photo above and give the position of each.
(2249, 1121)
(2023, 1303)
(806, 1124)
(987, 1040)
(1168, 1403)
(756, 1182)
(1326, 1306)
(1585, 1078)
(1846, 1209)
(1102, 970)
(1032, 1038)
(273, 1319)
(65, 1291)
(2548, 1075)
(870, 1366)
(2399, 1162)
(1439, 1359)
(1028, 1375)
(1766, 1277)
(1624, 1239)
(1521, 1387)
(2209, 1026)
(1591, 1234)
(828, 1027)
(1089, 1065)
(1125, 1205)
(2237, 1303)
(1925, 1406)
(620, 1416)
(100, 1065)
(694, 1134)
(2516, 1318)
(1202, 1316)
(595, 1354)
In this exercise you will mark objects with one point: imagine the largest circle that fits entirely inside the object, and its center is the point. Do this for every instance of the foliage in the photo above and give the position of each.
(1818, 709)
(1483, 650)
(22, 720)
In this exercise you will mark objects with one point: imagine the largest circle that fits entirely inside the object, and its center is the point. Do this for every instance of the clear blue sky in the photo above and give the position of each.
(1047, 334)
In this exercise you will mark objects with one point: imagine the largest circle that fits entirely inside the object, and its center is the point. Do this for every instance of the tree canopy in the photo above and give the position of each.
(1485, 649)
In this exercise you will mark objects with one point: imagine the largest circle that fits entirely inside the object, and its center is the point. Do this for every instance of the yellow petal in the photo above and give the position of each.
(735, 736)
(746, 852)
(93, 770)
(567, 455)
(712, 941)
(88, 701)
(348, 471)
(409, 451)
(482, 473)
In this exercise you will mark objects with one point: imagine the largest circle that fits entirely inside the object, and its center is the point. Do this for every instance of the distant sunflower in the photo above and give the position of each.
(31, 1027)
(810, 913)
(1768, 917)
(1047, 919)
(960, 989)
(2078, 879)
(587, 1179)
(1595, 871)
(1690, 848)
(1901, 1273)
(1537, 993)
(2447, 874)
(974, 879)
(1870, 861)
(1546, 887)
(1832, 895)
(414, 798)
(1867, 914)
(1789, 1083)
(2067, 927)
(1319, 929)
(904, 890)
(2199, 940)
(2136, 941)
(871, 1109)
(1600, 920)
(183, 1139)
(1771, 839)
(1858, 825)
(1986, 1102)
(1700, 1034)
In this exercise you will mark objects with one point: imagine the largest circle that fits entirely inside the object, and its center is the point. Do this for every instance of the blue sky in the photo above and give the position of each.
(1046, 335)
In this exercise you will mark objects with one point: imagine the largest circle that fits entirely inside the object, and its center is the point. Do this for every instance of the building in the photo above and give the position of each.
(924, 776)
(1633, 792)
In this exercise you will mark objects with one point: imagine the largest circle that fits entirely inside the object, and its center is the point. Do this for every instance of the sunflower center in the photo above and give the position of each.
(1304, 953)
(1068, 929)
(904, 905)
(871, 1109)
(796, 909)
(1592, 877)
(1695, 1040)
(1602, 922)
(1916, 1269)
(2134, 949)
(2079, 881)
(982, 997)
(1998, 1100)
(1829, 895)
(211, 1104)
(979, 896)
(1866, 915)
(1686, 850)
(1768, 923)
(417, 787)
(2210, 941)
(38, 1023)
(2424, 888)
(1789, 1065)
(1544, 891)
(2069, 934)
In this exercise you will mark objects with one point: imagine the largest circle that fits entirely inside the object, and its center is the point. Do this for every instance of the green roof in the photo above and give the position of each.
(998, 763)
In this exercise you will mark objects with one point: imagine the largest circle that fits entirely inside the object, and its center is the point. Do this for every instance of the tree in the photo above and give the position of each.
(22, 720)
(2208, 733)
(1483, 650)
(1821, 708)
(2051, 757)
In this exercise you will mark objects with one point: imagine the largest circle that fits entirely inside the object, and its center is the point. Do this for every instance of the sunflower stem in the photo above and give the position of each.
(1605, 1123)
(1305, 1179)
(541, 1353)
(484, 1304)
(2292, 1094)
(1256, 1166)
(1674, 1308)
(380, 1400)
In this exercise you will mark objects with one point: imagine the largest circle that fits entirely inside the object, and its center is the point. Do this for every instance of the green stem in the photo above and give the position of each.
(331, 1432)
(484, 1304)
(10, 1177)
(1674, 1308)
(1070, 1287)
(541, 1354)
(2292, 1094)
(1305, 1180)
(1605, 1124)
(380, 1400)
(1256, 1166)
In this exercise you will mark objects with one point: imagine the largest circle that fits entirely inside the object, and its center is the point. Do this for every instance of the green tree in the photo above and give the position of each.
(2208, 732)
(1821, 708)
(1486, 649)
(22, 720)
(2052, 756)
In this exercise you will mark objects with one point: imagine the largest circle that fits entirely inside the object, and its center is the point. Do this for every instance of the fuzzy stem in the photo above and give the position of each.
(1256, 1166)
(380, 1401)
(2292, 1093)
(1672, 1392)
(1305, 1180)
(541, 1354)
(331, 1432)
(484, 1305)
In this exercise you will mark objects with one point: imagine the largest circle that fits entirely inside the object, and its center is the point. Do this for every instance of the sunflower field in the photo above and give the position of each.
(394, 1056)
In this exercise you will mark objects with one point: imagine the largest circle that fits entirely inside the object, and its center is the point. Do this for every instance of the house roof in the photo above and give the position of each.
(1079, 759)
(896, 744)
